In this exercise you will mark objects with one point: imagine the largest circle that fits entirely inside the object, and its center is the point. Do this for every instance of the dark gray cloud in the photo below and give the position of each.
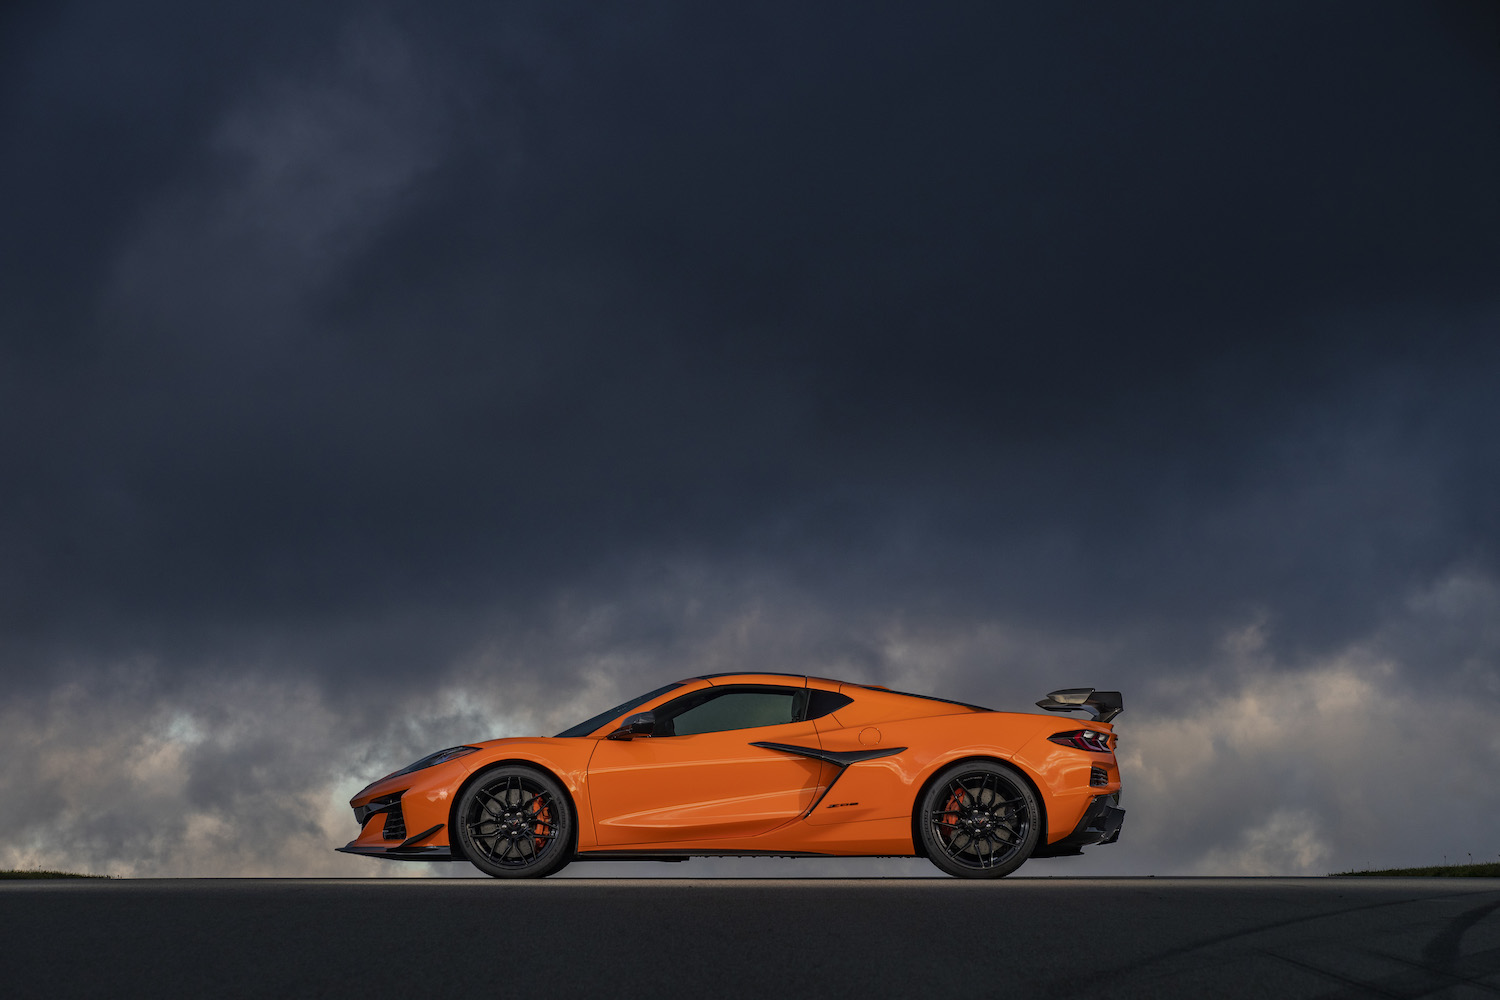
(530, 353)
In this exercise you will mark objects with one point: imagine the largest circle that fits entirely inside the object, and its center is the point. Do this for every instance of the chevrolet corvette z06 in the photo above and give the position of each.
(764, 764)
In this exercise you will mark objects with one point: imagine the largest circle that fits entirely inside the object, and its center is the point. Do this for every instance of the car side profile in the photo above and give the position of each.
(764, 764)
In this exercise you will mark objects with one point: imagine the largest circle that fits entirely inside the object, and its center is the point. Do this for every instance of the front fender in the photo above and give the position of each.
(565, 759)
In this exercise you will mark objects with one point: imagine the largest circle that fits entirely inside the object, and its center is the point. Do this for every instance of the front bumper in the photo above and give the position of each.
(405, 817)
(1100, 825)
(434, 852)
(409, 849)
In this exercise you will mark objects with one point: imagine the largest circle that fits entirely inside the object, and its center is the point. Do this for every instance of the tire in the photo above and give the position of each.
(515, 822)
(979, 819)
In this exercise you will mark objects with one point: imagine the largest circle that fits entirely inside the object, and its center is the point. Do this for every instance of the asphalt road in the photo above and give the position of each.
(553, 940)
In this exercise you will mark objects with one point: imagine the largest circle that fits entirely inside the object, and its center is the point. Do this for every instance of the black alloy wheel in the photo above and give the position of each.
(516, 822)
(979, 819)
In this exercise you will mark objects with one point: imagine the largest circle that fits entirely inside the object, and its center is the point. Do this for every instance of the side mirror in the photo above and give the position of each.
(637, 725)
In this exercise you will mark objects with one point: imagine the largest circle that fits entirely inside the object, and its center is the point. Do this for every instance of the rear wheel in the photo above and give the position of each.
(515, 822)
(979, 819)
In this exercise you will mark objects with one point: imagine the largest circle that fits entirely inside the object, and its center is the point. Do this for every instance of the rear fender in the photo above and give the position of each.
(931, 779)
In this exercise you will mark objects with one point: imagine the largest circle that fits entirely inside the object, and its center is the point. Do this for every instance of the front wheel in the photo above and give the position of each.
(515, 822)
(979, 819)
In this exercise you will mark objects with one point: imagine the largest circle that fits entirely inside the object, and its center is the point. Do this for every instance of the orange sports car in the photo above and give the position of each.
(764, 764)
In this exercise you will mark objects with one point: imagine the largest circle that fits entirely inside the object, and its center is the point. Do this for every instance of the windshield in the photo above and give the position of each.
(584, 728)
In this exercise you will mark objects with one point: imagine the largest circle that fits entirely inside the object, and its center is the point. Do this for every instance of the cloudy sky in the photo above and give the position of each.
(380, 377)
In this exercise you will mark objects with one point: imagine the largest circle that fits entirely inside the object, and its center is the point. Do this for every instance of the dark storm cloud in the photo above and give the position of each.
(554, 349)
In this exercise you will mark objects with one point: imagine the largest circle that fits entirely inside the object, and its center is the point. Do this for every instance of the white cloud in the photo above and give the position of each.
(1352, 761)
(1349, 761)
(1287, 842)
(222, 776)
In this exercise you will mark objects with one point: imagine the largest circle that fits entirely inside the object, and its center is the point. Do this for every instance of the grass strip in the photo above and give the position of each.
(1491, 870)
(34, 873)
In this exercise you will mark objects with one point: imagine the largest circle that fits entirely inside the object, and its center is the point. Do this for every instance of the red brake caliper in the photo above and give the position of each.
(540, 814)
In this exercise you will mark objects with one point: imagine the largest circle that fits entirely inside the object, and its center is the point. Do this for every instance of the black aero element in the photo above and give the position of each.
(380, 805)
(668, 854)
(1098, 777)
(436, 852)
(409, 841)
(395, 823)
(1102, 705)
(1100, 824)
(841, 758)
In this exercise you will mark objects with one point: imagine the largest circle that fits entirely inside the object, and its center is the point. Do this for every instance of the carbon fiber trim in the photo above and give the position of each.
(421, 836)
(433, 853)
(841, 758)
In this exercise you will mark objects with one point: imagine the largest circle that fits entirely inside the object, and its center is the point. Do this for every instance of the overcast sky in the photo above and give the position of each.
(380, 377)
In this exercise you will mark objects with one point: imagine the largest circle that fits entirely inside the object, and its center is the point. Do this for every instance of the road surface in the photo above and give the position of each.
(624, 938)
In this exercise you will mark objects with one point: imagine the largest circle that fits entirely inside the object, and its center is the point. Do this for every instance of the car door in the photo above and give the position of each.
(698, 778)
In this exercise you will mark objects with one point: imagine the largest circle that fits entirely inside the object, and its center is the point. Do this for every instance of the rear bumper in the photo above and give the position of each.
(1100, 825)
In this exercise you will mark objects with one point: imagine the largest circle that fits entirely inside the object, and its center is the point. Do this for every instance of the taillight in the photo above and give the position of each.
(1083, 739)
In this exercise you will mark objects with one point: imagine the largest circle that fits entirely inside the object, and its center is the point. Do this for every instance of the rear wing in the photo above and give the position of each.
(1102, 705)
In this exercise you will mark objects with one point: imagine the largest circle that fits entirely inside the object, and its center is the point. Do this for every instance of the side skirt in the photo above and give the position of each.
(667, 855)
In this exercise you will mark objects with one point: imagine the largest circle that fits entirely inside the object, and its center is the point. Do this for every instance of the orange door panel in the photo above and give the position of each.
(673, 789)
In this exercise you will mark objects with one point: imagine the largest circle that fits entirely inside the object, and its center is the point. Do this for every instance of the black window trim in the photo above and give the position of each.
(592, 725)
(799, 705)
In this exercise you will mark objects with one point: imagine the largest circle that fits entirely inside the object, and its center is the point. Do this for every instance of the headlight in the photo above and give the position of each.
(433, 760)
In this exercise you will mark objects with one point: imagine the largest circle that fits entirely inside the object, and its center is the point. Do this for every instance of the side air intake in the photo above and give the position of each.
(1102, 705)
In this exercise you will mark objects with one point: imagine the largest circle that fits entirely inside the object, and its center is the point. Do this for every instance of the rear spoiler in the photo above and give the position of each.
(1102, 705)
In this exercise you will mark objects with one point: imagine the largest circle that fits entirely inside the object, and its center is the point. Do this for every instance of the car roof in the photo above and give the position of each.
(747, 673)
(750, 674)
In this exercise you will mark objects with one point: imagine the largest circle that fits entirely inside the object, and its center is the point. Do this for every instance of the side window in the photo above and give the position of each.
(821, 703)
(716, 711)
